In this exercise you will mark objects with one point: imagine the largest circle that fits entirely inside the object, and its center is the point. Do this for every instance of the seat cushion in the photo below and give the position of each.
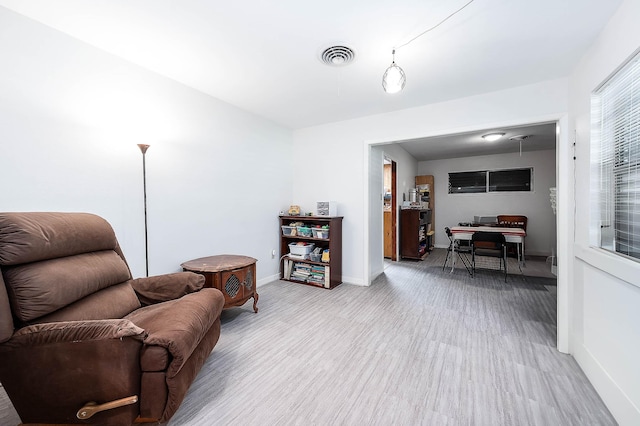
(178, 326)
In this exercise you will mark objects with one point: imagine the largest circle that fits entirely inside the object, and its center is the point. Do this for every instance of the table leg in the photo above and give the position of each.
(453, 257)
(255, 302)
(519, 257)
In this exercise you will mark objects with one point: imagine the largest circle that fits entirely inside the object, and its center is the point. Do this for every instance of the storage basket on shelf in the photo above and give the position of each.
(288, 230)
(304, 231)
(300, 249)
(315, 257)
(320, 233)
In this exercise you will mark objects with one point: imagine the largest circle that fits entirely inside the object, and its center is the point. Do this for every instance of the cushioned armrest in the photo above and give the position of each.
(75, 331)
(181, 324)
(161, 288)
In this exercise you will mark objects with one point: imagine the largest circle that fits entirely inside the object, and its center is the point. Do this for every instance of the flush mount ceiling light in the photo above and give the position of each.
(492, 137)
(337, 56)
(394, 77)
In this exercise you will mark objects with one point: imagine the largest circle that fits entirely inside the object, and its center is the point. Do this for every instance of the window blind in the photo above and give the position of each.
(467, 182)
(510, 180)
(616, 140)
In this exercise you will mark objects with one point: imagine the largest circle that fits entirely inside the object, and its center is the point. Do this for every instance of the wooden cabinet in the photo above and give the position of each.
(415, 233)
(233, 275)
(307, 271)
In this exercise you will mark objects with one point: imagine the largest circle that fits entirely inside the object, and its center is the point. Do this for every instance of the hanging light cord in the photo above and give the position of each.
(432, 28)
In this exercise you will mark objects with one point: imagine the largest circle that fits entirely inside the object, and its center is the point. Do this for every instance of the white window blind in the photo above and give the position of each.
(615, 135)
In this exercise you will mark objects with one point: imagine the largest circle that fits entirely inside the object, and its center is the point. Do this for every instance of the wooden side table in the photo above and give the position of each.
(233, 275)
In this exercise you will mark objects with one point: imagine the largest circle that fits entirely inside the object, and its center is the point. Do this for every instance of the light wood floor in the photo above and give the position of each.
(421, 346)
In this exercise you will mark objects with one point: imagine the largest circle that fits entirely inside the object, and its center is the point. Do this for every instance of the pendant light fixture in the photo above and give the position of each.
(394, 77)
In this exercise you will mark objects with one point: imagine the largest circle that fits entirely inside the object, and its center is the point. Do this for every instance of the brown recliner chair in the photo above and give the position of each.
(79, 336)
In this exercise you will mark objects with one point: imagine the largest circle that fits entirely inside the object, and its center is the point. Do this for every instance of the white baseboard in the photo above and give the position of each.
(276, 277)
(618, 403)
(354, 281)
(268, 279)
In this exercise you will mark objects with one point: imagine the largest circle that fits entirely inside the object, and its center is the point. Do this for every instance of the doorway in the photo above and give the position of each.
(563, 219)
(390, 209)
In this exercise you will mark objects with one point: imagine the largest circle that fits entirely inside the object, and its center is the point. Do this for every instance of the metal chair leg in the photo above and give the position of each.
(465, 262)
(446, 258)
(504, 258)
(473, 263)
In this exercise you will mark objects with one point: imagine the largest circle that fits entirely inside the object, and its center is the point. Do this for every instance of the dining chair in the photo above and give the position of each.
(462, 251)
(491, 244)
(512, 221)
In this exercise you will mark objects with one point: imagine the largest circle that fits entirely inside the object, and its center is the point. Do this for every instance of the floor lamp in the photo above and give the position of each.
(143, 149)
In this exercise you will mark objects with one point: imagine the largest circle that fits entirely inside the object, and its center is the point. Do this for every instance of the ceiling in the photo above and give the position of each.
(538, 137)
(263, 56)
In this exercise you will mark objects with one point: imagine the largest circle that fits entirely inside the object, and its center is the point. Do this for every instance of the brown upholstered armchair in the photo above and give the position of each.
(80, 340)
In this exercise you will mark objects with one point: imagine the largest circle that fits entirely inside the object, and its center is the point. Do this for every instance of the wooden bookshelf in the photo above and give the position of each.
(332, 269)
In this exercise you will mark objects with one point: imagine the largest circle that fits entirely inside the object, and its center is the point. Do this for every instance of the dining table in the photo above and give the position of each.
(511, 235)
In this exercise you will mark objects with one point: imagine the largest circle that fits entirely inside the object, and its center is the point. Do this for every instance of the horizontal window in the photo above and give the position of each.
(510, 180)
(466, 182)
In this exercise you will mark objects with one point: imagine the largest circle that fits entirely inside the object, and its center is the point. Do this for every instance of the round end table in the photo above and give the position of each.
(233, 275)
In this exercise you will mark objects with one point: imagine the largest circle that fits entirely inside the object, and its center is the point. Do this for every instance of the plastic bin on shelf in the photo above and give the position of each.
(304, 231)
(300, 249)
(315, 257)
(288, 230)
(320, 233)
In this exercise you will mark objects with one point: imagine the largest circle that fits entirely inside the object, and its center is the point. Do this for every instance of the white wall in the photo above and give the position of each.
(342, 175)
(376, 184)
(70, 118)
(606, 292)
(406, 170)
(451, 209)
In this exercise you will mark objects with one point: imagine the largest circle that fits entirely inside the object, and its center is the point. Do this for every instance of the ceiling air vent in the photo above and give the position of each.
(337, 56)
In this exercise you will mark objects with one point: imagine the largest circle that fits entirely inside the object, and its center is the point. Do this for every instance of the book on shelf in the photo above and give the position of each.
(309, 273)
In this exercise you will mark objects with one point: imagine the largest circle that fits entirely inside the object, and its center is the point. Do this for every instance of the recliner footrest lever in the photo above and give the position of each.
(91, 408)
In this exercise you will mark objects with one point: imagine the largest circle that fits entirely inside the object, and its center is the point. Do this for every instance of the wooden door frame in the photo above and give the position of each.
(394, 211)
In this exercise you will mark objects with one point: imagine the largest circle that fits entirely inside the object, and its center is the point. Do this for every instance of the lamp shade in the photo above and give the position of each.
(393, 79)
